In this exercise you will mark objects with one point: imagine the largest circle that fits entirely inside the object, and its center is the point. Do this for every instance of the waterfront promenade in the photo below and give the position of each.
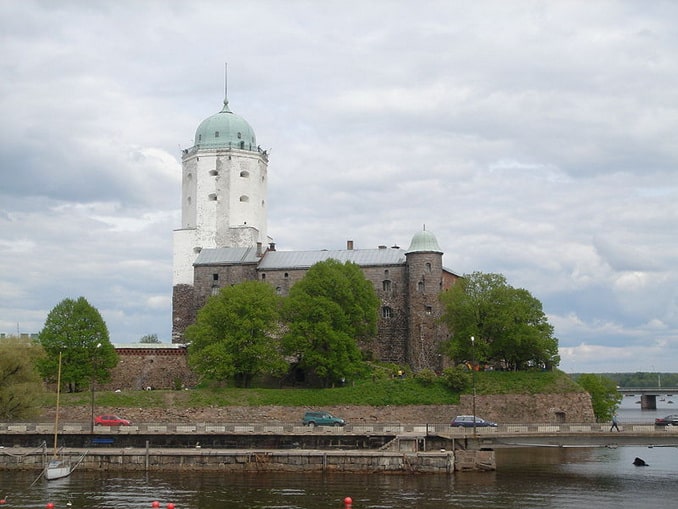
(422, 437)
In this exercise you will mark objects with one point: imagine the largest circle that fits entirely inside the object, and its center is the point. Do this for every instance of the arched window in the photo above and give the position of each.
(420, 286)
(386, 285)
(428, 267)
(245, 174)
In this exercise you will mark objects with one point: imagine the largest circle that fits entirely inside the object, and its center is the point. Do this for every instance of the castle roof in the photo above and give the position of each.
(227, 256)
(424, 242)
(225, 130)
(275, 260)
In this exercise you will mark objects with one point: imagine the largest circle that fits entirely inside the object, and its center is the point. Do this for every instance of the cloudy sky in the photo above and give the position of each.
(536, 139)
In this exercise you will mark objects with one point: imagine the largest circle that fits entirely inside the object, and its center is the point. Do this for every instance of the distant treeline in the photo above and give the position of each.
(640, 379)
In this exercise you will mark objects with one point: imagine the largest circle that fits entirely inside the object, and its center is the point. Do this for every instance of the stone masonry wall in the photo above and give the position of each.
(504, 409)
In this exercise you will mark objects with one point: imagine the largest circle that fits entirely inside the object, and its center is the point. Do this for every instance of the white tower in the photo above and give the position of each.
(223, 200)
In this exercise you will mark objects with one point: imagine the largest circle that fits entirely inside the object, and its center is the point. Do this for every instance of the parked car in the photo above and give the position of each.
(665, 421)
(110, 420)
(322, 419)
(466, 421)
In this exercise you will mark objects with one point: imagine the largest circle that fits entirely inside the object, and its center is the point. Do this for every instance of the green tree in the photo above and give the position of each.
(604, 395)
(150, 339)
(236, 334)
(327, 314)
(508, 324)
(20, 382)
(76, 329)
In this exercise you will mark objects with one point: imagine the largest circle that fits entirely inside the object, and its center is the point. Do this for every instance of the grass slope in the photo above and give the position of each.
(395, 392)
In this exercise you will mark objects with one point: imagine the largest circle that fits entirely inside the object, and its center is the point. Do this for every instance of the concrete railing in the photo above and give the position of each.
(278, 428)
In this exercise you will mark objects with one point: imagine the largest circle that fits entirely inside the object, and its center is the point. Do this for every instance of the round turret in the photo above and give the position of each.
(225, 130)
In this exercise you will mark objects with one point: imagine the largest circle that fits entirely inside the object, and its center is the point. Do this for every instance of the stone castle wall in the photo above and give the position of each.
(139, 369)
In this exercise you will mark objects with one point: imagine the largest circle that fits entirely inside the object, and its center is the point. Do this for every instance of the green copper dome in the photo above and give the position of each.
(225, 130)
(424, 242)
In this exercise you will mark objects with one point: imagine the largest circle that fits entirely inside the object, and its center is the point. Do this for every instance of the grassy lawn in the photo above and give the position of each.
(395, 392)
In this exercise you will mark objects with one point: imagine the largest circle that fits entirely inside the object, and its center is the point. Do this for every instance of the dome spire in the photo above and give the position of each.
(226, 109)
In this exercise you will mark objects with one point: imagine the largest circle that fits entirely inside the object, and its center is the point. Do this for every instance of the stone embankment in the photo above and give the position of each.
(509, 408)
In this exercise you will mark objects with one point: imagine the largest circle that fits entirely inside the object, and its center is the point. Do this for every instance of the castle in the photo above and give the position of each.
(223, 241)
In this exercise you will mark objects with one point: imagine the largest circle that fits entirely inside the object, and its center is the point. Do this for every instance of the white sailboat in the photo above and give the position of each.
(59, 467)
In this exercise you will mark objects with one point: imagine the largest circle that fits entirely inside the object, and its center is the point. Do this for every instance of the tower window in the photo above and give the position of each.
(245, 174)
(263, 276)
(386, 285)
(286, 275)
(420, 286)
(244, 198)
(239, 135)
(386, 312)
(242, 144)
(428, 267)
(428, 310)
(216, 134)
(215, 277)
(386, 273)
(212, 197)
(214, 173)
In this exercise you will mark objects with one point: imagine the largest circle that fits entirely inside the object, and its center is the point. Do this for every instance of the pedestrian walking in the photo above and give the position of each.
(615, 423)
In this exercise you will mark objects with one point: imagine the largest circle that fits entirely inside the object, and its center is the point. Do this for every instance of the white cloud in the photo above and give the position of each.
(534, 139)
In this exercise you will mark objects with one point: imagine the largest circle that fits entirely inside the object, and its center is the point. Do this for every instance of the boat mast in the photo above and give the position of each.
(56, 418)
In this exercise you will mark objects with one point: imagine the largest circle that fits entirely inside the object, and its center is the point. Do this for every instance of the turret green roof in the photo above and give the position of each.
(424, 242)
(225, 130)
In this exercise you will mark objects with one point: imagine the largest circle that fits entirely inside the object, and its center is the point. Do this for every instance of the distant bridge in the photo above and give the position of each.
(648, 395)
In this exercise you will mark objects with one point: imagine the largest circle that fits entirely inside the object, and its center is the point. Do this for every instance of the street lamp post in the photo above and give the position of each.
(473, 379)
(94, 368)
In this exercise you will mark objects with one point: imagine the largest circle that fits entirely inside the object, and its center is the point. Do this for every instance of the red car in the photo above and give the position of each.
(110, 420)
(668, 420)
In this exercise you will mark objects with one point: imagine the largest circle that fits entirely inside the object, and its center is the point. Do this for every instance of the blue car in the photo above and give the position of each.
(466, 421)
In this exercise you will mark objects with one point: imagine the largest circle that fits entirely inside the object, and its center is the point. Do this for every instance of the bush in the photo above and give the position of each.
(426, 377)
(457, 378)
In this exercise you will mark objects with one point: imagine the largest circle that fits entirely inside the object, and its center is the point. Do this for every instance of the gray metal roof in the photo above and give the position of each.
(304, 259)
(227, 256)
(149, 346)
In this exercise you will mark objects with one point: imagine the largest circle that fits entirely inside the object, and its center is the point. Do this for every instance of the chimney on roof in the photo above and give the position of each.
(349, 245)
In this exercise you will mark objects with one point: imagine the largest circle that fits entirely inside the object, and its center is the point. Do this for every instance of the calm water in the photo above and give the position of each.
(525, 478)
